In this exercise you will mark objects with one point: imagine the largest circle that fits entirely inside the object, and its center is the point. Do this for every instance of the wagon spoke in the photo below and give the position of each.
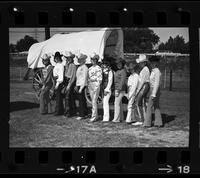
(37, 80)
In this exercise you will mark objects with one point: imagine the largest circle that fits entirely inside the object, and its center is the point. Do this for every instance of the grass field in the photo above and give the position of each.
(29, 129)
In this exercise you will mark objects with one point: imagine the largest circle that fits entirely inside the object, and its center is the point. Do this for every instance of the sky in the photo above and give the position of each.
(16, 34)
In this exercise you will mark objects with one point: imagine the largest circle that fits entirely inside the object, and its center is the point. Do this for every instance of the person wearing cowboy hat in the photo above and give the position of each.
(153, 102)
(47, 71)
(69, 82)
(58, 73)
(107, 84)
(143, 87)
(94, 82)
(133, 82)
(81, 83)
(120, 87)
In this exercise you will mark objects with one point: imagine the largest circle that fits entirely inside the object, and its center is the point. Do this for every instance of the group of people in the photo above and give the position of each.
(67, 82)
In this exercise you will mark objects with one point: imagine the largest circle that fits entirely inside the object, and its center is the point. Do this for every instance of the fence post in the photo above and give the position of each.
(170, 82)
(165, 75)
(20, 73)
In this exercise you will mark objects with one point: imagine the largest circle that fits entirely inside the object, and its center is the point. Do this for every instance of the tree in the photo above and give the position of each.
(25, 43)
(12, 48)
(137, 40)
(176, 45)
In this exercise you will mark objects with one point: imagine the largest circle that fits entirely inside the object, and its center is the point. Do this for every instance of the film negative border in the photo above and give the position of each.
(105, 160)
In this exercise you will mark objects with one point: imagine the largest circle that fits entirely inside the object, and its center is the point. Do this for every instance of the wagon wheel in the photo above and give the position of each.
(88, 98)
(37, 82)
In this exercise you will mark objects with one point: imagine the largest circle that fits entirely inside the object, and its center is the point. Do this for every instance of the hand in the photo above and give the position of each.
(106, 92)
(43, 87)
(80, 90)
(153, 98)
(116, 93)
(56, 87)
(68, 87)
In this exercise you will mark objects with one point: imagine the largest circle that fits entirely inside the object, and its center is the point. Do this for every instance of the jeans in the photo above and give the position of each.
(82, 103)
(94, 94)
(142, 96)
(153, 104)
(71, 100)
(118, 113)
(106, 108)
(130, 117)
(59, 101)
(45, 102)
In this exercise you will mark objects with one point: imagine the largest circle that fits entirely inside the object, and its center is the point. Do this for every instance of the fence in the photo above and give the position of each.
(180, 76)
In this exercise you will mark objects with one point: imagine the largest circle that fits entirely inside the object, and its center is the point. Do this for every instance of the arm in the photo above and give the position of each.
(60, 76)
(110, 80)
(143, 76)
(99, 75)
(134, 88)
(85, 78)
(73, 77)
(156, 83)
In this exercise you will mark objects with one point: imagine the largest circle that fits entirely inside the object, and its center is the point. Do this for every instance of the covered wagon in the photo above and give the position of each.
(103, 41)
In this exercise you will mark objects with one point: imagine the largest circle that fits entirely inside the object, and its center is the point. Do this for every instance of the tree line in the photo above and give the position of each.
(136, 40)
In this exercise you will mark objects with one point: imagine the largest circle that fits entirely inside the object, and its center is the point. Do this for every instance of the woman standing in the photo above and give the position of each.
(143, 87)
(154, 93)
(58, 73)
(81, 83)
(45, 105)
(94, 82)
(108, 76)
(120, 87)
(133, 82)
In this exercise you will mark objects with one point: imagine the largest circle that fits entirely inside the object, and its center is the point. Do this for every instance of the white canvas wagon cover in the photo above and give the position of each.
(103, 41)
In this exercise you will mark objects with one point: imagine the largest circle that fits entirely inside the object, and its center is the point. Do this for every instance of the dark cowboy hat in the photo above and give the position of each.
(122, 61)
(154, 59)
(57, 54)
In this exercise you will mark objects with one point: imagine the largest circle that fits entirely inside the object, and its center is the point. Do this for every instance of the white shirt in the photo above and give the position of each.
(133, 83)
(58, 71)
(81, 75)
(144, 77)
(155, 81)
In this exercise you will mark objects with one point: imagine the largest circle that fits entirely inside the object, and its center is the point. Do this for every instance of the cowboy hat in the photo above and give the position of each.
(142, 58)
(69, 54)
(46, 57)
(81, 56)
(94, 56)
(57, 54)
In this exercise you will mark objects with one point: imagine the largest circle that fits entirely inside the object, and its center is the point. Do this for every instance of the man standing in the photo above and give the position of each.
(94, 82)
(47, 71)
(154, 93)
(70, 76)
(58, 73)
(81, 83)
(143, 87)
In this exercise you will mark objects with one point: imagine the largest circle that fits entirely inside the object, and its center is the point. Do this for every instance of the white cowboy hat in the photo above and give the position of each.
(81, 56)
(69, 54)
(142, 58)
(94, 56)
(46, 56)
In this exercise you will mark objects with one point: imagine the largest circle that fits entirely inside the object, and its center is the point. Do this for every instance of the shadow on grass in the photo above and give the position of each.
(21, 105)
(165, 118)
